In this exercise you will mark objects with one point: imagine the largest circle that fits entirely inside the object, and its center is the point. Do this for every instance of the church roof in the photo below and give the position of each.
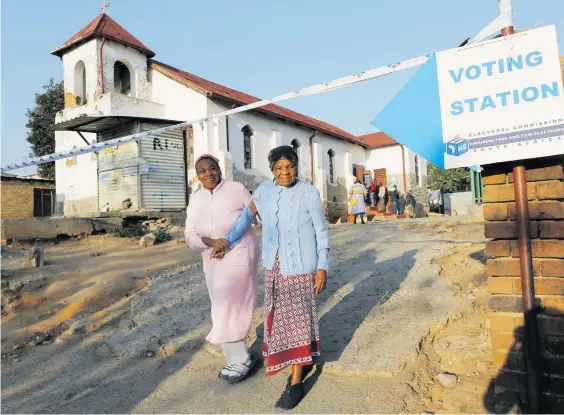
(375, 140)
(104, 26)
(213, 90)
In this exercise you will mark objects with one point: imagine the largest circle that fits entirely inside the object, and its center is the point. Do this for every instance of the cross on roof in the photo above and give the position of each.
(104, 6)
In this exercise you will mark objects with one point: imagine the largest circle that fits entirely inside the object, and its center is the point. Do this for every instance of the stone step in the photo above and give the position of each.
(378, 217)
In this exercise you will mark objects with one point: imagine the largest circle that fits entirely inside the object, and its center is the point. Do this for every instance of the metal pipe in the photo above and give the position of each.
(101, 66)
(403, 167)
(311, 157)
(86, 141)
(227, 131)
(532, 349)
(186, 161)
(506, 7)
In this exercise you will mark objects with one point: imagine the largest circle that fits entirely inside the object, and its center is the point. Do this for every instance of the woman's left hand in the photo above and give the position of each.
(218, 254)
(320, 280)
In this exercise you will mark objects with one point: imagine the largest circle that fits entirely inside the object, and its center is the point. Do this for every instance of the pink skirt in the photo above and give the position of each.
(291, 323)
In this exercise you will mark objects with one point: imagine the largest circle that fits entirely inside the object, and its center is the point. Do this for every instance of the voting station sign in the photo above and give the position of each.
(502, 100)
(495, 101)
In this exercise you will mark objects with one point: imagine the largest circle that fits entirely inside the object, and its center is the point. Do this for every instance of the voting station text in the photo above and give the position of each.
(502, 98)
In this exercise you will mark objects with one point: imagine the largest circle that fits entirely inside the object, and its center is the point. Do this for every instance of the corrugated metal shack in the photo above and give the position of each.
(148, 175)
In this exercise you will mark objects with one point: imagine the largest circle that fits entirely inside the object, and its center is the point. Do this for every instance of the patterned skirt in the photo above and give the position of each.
(291, 324)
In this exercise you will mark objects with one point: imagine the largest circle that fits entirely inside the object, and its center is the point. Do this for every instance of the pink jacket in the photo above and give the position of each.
(213, 215)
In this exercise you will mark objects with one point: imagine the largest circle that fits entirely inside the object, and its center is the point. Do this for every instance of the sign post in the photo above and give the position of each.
(497, 101)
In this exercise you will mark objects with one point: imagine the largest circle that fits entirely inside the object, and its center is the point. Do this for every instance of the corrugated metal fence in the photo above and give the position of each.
(163, 185)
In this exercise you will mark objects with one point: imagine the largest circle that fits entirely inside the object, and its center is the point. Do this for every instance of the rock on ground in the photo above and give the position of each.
(147, 240)
(448, 380)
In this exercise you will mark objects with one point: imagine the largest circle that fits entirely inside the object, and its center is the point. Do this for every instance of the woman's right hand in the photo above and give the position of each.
(220, 244)
(253, 207)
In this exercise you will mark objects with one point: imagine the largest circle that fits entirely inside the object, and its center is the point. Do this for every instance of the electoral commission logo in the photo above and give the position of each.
(458, 146)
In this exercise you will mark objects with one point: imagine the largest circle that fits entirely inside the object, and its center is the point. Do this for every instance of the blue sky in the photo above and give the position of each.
(263, 48)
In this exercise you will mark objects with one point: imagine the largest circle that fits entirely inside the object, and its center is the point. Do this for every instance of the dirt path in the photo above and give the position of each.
(80, 277)
(392, 289)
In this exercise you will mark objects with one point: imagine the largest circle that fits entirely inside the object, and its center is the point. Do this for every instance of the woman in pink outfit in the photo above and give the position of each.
(231, 279)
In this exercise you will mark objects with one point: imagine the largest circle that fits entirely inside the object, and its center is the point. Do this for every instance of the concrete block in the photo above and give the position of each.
(109, 225)
(44, 228)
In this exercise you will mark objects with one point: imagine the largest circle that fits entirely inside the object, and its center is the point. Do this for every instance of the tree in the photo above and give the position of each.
(39, 121)
(449, 181)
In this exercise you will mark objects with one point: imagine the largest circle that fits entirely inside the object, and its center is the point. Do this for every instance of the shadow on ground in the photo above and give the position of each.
(508, 391)
(346, 304)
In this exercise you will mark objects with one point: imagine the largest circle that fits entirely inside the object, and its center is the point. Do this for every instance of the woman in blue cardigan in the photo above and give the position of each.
(295, 254)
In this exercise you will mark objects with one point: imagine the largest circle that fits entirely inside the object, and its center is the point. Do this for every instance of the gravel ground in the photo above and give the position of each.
(383, 296)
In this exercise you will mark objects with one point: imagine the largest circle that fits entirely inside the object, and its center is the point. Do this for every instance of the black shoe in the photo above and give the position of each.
(291, 397)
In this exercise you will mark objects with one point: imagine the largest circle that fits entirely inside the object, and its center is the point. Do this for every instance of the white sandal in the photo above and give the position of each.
(241, 370)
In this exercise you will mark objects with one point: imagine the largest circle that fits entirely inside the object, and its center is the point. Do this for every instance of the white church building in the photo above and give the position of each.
(114, 87)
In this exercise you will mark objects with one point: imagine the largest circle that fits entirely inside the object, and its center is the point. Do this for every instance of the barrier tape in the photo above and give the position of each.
(311, 90)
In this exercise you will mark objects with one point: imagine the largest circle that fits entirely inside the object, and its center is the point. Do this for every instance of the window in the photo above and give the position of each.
(417, 178)
(331, 154)
(247, 147)
(122, 79)
(43, 202)
(80, 83)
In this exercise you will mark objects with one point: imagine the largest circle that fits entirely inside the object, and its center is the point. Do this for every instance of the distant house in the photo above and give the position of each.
(114, 88)
(391, 163)
(26, 196)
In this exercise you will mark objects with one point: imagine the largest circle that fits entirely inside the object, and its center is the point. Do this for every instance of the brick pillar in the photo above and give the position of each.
(545, 188)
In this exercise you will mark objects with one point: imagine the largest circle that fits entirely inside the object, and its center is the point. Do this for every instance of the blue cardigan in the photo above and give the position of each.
(293, 225)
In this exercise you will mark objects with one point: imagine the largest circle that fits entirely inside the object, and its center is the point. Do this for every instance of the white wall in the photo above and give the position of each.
(457, 203)
(77, 177)
(135, 61)
(346, 154)
(388, 158)
(410, 165)
(88, 54)
(183, 104)
(268, 133)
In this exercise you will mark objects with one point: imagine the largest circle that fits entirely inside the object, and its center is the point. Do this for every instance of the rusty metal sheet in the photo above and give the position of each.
(163, 186)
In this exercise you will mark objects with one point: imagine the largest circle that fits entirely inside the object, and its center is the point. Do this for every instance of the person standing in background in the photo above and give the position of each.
(367, 187)
(394, 197)
(357, 195)
(410, 199)
(382, 197)
(401, 204)
(372, 193)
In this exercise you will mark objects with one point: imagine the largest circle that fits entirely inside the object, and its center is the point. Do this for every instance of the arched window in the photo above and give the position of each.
(122, 79)
(247, 146)
(331, 154)
(417, 178)
(80, 83)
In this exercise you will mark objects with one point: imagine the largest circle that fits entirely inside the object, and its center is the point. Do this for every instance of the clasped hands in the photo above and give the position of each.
(220, 247)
